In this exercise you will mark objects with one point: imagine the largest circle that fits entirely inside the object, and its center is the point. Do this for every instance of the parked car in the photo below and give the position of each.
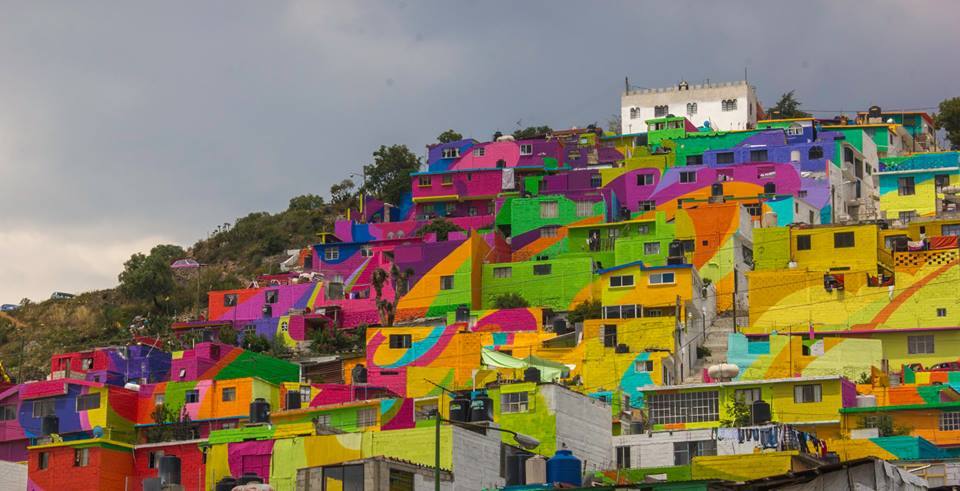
(61, 296)
(9, 307)
(947, 366)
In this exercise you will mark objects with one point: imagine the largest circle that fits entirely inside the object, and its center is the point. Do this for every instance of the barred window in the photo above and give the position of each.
(367, 417)
(683, 407)
(549, 232)
(549, 209)
(516, 402)
(584, 208)
(917, 345)
(503, 272)
(950, 420)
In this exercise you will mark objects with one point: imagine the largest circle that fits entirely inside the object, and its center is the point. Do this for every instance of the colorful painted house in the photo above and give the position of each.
(912, 187)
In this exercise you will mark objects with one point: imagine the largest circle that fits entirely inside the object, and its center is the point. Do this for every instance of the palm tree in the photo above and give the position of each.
(387, 309)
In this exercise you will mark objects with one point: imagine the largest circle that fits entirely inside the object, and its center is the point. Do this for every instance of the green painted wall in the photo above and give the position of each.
(771, 248)
(697, 143)
(569, 276)
(523, 214)
(538, 421)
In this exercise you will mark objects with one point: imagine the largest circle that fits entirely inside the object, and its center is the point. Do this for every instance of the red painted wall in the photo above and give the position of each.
(191, 464)
(108, 470)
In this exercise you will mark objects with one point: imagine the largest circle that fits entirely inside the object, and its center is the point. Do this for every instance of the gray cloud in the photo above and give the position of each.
(122, 125)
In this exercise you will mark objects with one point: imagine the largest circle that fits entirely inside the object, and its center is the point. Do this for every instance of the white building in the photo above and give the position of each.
(726, 106)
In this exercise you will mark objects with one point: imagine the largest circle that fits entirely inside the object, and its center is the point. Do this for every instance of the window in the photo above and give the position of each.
(8, 412)
(683, 407)
(549, 232)
(191, 396)
(503, 272)
(446, 282)
(401, 341)
(758, 155)
(230, 300)
(81, 457)
(609, 336)
(941, 181)
(623, 456)
(271, 296)
(684, 452)
(573, 154)
(815, 152)
(687, 177)
(542, 269)
(725, 158)
(306, 395)
(747, 396)
(366, 251)
(643, 366)
(584, 209)
(516, 402)
(426, 410)
(43, 460)
(920, 345)
(906, 216)
(807, 393)
(44, 407)
(447, 180)
(948, 230)
(728, 105)
(596, 180)
(644, 179)
(660, 111)
(323, 420)
(689, 246)
(183, 371)
(803, 242)
(549, 209)
(794, 130)
(651, 248)
(424, 181)
(228, 394)
(941, 312)
(662, 279)
(480, 152)
(691, 108)
(647, 205)
(950, 420)
(843, 239)
(694, 159)
(367, 417)
(400, 480)
(634, 113)
(526, 149)
(625, 280)
(153, 461)
(905, 186)
(451, 153)
(87, 402)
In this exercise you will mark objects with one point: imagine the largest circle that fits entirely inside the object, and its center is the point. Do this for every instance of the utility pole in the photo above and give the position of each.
(436, 450)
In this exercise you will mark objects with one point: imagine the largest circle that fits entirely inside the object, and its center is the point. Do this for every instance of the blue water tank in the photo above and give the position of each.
(563, 467)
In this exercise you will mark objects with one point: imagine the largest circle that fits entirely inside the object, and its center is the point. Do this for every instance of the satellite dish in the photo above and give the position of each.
(98, 431)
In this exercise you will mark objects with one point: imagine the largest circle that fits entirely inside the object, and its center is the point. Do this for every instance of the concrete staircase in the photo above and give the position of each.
(716, 340)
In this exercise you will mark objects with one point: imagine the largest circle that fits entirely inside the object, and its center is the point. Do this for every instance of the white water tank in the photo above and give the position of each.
(769, 219)
(866, 401)
(723, 372)
(535, 470)
(132, 386)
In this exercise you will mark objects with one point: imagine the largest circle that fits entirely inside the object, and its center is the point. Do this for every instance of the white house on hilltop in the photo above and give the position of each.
(726, 106)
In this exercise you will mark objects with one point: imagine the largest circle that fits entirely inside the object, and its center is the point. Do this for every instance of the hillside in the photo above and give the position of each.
(233, 255)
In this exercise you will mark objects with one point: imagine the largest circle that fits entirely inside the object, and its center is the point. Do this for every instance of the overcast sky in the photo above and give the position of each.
(127, 124)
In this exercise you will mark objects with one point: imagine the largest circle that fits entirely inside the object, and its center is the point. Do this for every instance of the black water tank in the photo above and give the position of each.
(716, 189)
(293, 399)
(516, 469)
(463, 314)
(359, 374)
(260, 411)
(481, 409)
(226, 484)
(770, 188)
(760, 412)
(169, 469)
(560, 326)
(250, 477)
(152, 484)
(460, 409)
(49, 425)
(531, 374)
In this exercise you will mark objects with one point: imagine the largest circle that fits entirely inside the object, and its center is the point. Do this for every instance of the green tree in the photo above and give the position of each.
(948, 119)
(228, 335)
(738, 414)
(615, 123)
(388, 177)
(149, 278)
(588, 309)
(342, 193)
(449, 136)
(532, 132)
(400, 281)
(788, 107)
(441, 226)
(511, 300)
(255, 343)
(307, 202)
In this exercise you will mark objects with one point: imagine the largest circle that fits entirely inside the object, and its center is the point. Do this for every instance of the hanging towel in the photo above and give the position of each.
(740, 435)
(756, 434)
(728, 434)
(507, 181)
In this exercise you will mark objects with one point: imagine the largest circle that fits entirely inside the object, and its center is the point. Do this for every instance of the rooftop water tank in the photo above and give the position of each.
(460, 409)
(481, 409)
(260, 411)
(723, 371)
(564, 468)
(535, 470)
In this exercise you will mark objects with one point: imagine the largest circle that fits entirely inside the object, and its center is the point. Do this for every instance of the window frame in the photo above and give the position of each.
(230, 300)
(542, 269)
(623, 456)
(661, 279)
(400, 341)
(840, 242)
(191, 394)
(88, 406)
(48, 402)
(650, 245)
(502, 272)
(228, 390)
(621, 281)
(688, 177)
(906, 186)
(447, 282)
(526, 149)
(81, 457)
(518, 406)
(367, 417)
(759, 155)
(424, 181)
(801, 396)
(722, 157)
(644, 179)
(549, 209)
(804, 242)
(921, 344)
